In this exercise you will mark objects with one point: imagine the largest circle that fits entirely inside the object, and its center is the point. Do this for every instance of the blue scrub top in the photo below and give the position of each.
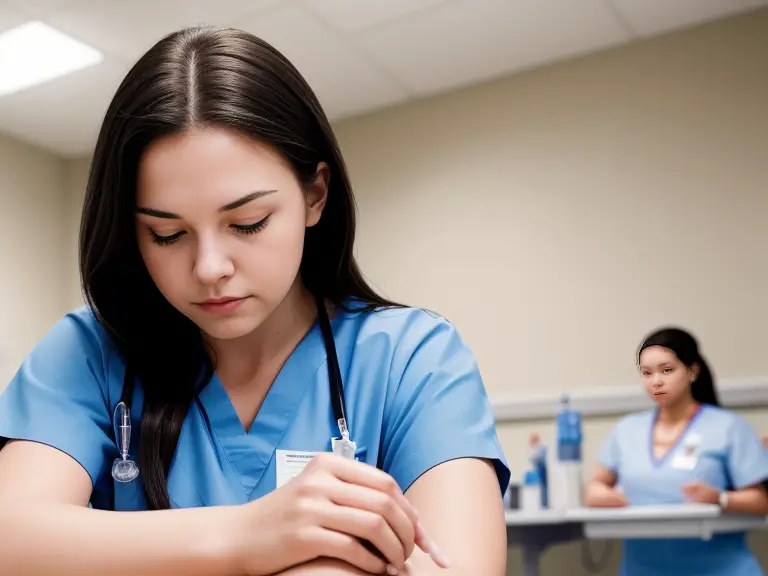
(414, 397)
(719, 448)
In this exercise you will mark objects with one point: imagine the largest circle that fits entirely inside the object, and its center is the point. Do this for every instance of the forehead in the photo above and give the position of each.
(208, 165)
(656, 355)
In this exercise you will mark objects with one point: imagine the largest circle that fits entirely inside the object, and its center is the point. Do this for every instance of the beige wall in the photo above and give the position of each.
(31, 232)
(559, 215)
(555, 217)
(75, 179)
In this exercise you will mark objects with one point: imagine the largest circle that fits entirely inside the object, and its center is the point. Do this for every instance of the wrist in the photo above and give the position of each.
(223, 539)
(722, 500)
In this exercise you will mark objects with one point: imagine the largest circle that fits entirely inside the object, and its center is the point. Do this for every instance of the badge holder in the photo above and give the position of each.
(343, 446)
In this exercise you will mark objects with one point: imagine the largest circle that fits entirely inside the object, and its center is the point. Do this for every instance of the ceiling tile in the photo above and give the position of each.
(124, 29)
(39, 7)
(350, 15)
(344, 82)
(473, 40)
(649, 17)
(63, 115)
(10, 18)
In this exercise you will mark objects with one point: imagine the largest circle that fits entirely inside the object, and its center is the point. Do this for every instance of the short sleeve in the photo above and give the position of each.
(58, 396)
(610, 455)
(747, 457)
(439, 410)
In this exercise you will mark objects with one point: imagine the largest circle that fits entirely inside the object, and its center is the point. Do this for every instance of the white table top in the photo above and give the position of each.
(673, 521)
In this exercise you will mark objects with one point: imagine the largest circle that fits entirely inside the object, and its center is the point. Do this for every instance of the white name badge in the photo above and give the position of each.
(687, 455)
(289, 464)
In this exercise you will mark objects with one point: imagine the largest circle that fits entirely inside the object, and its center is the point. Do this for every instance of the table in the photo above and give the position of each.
(535, 531)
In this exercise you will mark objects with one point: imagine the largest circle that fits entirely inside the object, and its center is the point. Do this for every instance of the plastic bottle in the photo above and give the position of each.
(539, 461)
(569, 441)
(530, 492)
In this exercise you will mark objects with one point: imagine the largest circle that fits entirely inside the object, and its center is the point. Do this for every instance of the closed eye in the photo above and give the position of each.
(251, 228)
(165, 240)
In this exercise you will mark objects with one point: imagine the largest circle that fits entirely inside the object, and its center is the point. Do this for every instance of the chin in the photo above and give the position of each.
(229, 328)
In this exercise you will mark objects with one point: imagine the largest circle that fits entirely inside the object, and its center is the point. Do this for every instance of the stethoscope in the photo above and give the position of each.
(125, 469)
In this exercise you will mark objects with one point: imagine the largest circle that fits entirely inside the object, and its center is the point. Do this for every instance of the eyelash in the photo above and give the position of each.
(246, 229)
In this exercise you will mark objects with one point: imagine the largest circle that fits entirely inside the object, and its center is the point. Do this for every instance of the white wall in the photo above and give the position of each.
(31, 233)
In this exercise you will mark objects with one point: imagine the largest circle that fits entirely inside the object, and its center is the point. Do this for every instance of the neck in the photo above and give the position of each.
(276, 336)
(679, 412)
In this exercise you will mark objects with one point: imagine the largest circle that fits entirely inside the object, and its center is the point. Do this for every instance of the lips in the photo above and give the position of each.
(217, 301)
(223, 305)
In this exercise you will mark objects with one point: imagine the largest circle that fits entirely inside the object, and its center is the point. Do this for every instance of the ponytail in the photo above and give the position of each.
(686, 348)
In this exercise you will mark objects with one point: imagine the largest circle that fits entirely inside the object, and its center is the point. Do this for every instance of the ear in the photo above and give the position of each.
(694, 371)
(317, 194)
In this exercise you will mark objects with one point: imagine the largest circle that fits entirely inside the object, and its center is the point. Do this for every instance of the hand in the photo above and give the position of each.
(701, 493)
(327, 512)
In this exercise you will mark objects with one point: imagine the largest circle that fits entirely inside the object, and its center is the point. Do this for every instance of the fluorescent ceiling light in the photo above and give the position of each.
(34, 53)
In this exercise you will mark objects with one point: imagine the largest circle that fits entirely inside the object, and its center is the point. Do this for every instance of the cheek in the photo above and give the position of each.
(272, 260)
(165, 265)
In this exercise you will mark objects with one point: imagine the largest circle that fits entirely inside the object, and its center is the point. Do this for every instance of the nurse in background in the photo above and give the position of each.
(687, 449)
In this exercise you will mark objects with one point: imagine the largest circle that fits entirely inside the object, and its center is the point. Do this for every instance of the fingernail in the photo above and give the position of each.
(438, 557)
(392, 571)
(434, 552)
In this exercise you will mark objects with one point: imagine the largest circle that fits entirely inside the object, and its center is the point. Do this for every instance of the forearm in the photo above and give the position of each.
(324, 567)
(46, 538)
(598, 494)
(748, 501)
(419, 565)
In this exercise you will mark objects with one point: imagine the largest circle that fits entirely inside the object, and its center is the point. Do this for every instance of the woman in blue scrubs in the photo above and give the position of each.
(216, 258)
(687, 449)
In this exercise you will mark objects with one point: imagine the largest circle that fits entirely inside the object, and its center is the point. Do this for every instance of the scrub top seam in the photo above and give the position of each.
(282, 434)
(215, 433)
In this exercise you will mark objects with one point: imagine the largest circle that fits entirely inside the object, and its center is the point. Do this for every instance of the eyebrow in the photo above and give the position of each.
(226, 208)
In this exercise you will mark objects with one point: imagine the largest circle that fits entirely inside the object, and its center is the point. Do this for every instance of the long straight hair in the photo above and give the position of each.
(686, 348)
(200, 77)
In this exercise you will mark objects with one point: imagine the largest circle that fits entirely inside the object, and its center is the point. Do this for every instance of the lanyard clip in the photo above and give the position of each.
(343, 446)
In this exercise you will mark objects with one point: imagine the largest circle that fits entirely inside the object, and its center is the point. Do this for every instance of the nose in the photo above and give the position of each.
(657, 381)
(212, 263)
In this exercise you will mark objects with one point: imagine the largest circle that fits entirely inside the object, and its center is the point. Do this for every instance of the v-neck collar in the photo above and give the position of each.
(658, 462)
(249, 454)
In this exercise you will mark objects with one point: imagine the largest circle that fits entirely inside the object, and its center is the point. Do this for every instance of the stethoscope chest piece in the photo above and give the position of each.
(123, 468)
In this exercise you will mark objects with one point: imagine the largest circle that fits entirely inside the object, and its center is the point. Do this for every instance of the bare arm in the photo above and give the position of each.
(601, 490)
(751, 500)
(460, 506)
(47, 527)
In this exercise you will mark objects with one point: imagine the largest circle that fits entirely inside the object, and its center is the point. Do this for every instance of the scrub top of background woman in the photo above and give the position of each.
(719, 448)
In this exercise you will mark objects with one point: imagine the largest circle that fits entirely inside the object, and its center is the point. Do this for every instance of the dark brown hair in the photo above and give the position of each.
(201, 76)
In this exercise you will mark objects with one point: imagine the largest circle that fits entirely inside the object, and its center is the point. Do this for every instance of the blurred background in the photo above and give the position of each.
(557, 177)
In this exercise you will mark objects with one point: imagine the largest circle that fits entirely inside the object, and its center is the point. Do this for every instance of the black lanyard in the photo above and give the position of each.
(334, 373)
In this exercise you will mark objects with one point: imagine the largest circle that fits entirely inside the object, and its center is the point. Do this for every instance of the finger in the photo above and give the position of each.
(350, 550)
(358, 473)
(366, 526)
(355, 472)
(429, 547)
(362, 498)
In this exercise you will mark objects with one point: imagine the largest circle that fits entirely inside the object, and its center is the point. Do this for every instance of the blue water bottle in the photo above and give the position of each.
(569, 439)
(568, 433)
